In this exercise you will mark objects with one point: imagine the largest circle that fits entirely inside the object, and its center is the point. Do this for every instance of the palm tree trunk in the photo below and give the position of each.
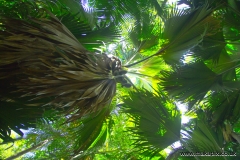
(27, 150)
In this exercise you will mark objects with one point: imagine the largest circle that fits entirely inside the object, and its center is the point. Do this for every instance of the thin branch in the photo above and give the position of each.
(139, 74)
(155, 54)
(27, 150)
(229, 69)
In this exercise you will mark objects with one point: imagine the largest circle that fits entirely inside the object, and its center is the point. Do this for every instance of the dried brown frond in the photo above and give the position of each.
(41, 59)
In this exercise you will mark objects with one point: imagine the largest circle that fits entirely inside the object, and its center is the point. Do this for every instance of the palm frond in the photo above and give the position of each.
(127, 54)
(84, 24)
(19, 9)
(117, 10)
(231, 23)
(191, 82)
(145, 33)
(72, 14)
(156, 120)
(210, 48)
(57, 72)
(90, 131)
(184, 29)
(203, 139)
(225, 107)
(13, 118)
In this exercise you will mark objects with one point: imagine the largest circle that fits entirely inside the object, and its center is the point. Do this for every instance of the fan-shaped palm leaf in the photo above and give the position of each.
(42, 61)
(210, 48)
(191, 82)
(231, 22)
(91, 132)
(12, 117)
(204, 139)
(63, 60)
(90, 30)
(157, 120)
(225, 107)
(185, 29)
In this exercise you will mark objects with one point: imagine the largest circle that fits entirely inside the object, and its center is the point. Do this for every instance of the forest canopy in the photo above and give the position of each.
(120, 79)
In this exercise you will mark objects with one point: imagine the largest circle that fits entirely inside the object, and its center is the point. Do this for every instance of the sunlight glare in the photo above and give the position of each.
(185, 119)
(179, 6)
(176, 144)
(167, 150)
(183, 109)
(111, 47)
(132, 78)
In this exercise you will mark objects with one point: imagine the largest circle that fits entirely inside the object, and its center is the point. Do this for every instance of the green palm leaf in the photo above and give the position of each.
(231, 23)
(203, 139)
(185, 29)
(90, 131)
(225, 106)
(157, 120)
(191, 82)
(210, 48)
